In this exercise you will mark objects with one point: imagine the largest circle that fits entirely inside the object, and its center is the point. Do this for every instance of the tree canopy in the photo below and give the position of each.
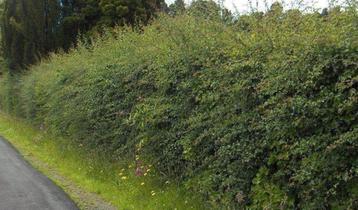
(30, 29)
(33, 28)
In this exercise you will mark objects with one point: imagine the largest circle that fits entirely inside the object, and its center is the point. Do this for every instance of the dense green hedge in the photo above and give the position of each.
(261, 113)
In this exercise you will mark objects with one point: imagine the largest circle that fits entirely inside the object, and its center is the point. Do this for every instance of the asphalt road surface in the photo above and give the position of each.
(24, 188)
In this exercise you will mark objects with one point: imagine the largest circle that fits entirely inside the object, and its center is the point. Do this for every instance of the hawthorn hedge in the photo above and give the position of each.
(261, 113)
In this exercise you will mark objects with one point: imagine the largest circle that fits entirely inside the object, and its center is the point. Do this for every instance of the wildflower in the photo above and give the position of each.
(123, 169)
(142, 183)
(145, 174)
(167, 182)
(148, 169)
(139, 172)
(124, 178)
(120, 174)
(153, 194)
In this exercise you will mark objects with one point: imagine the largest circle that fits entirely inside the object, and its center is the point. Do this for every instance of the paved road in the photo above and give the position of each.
(23, 188)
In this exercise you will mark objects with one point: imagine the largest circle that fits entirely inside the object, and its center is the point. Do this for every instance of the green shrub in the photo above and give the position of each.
(261, 113)
(9, 89)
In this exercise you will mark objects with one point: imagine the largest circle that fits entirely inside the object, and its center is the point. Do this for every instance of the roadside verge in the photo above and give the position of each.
(91, 182)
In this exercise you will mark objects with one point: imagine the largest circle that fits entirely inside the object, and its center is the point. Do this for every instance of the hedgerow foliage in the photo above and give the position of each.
(261, 113)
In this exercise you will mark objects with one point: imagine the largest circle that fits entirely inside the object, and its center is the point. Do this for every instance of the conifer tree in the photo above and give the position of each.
(30, 30)
(33, 28)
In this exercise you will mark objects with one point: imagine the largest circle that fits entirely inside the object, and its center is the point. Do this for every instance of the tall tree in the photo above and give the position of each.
(177, 7)
(33, 28)
(2, 60)
(211, 10)
(88, 15)
(30, 30)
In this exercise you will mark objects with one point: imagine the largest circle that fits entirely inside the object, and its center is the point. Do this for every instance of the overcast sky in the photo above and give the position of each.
(243, 5)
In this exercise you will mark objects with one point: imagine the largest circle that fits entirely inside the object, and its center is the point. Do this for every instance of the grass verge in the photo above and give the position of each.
(88, 178)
